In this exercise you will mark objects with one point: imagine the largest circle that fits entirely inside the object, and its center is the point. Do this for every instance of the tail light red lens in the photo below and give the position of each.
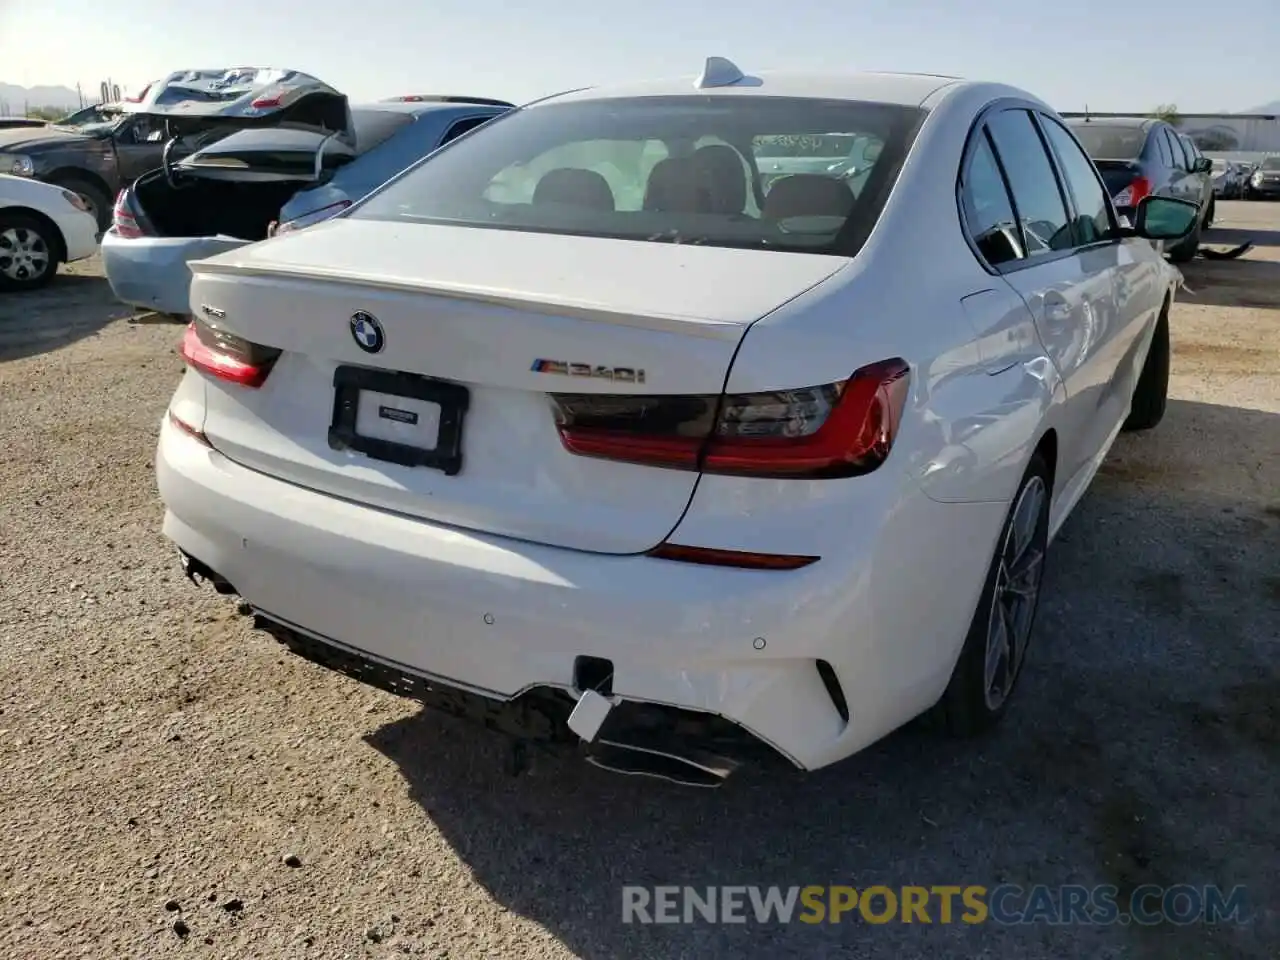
(263, 102)
(740, 559)
(1130, 196)
(123, 221)
(227, 356)
(840, 429)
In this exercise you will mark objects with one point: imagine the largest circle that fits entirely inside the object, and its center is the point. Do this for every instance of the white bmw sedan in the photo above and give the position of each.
(579, 428)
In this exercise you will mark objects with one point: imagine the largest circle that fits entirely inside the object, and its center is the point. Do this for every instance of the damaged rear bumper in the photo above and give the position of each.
(644, 739)
(810, 665)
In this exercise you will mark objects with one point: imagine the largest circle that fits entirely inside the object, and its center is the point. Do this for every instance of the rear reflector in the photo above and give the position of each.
(188, 429)
(227, 356)
(841, 429)
(730, 558)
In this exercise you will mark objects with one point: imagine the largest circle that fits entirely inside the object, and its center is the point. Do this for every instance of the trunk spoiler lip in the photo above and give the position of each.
(168, 164)
(687, 325)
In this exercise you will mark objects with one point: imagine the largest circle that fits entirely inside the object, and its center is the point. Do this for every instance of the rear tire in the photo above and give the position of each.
(1151, 395)
(987, 672)
(98, 202)
(1187, 249)
(29, 252)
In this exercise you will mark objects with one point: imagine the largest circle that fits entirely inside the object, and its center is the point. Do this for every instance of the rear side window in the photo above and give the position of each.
(1175, 148)
(1161, 142)
(461, 127)
(1188, 152)
(988, 213)
(1105, 141)
(1093, 211)
(684, 169)
(1040, 207)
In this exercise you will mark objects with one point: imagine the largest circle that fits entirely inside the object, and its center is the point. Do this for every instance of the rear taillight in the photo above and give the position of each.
(1130, 196)
(124, 223)
(263, 103)
(840, 429)
(227, 356)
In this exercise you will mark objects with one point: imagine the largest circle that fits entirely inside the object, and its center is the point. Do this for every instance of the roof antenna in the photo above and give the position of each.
(718, 72)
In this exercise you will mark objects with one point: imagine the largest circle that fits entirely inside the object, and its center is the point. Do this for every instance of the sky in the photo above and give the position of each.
(1113, 55)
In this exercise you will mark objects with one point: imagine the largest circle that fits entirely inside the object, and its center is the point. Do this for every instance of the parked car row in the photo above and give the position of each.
(1146, 157)
(1264, 181)
(206, 160)
(643, 418)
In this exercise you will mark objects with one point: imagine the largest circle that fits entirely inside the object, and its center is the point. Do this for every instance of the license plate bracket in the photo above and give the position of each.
(453, 399)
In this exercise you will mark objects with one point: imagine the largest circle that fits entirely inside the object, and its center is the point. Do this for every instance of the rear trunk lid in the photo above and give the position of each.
(1117, 174)
(505, 317)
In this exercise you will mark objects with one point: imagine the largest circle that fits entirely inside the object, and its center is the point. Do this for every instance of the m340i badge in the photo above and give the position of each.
(591, 371)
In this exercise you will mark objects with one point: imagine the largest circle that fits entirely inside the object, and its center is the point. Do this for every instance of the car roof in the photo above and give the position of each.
(907, 89)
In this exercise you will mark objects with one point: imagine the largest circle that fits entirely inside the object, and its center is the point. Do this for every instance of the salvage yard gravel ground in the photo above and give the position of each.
(173, 784)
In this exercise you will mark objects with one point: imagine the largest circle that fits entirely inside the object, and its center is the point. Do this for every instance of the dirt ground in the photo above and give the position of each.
(159, 761)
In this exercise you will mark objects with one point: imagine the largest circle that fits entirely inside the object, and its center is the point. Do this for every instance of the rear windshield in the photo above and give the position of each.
(1103, 142)
(736, 171)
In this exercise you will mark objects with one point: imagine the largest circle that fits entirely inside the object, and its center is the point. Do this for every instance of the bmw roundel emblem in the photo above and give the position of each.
(367, 332)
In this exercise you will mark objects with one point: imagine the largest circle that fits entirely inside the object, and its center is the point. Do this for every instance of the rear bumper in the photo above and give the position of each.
(499, 619)
(152, 273)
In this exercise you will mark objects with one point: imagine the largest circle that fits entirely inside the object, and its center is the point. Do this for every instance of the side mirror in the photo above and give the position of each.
(1202, 165)
(1164, 218)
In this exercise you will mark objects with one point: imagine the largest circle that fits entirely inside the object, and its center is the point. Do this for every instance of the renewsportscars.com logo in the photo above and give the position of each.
(1009, 904)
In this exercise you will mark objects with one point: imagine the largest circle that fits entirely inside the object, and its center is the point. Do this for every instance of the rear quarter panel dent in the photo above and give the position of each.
(978, 431)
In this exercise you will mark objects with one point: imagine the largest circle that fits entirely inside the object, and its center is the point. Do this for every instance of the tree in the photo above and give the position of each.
(1168, 112)
(46, 113)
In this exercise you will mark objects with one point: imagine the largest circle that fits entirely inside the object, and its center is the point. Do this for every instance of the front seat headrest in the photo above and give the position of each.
(808, 195)
(722, 179)
(575, 187)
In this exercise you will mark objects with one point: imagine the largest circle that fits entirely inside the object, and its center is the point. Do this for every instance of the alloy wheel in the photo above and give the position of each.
(1017, 587)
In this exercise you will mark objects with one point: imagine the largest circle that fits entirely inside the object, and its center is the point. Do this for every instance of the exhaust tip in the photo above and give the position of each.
(695, 770)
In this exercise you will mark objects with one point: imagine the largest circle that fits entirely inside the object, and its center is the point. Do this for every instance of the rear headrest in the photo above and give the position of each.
(721, 178)
(579, 188)
(808, 195)
(672, 186)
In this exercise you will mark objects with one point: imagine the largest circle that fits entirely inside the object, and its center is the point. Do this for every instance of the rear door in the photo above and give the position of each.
(1068, 284)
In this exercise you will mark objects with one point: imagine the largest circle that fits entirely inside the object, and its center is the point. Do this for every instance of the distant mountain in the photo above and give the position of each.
(14, 99)
(1272, 107)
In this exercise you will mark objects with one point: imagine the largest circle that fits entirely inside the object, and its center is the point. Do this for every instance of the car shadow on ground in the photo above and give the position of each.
(70, 308)
(1234, 236)
(1143, 747)
(1247, 282)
